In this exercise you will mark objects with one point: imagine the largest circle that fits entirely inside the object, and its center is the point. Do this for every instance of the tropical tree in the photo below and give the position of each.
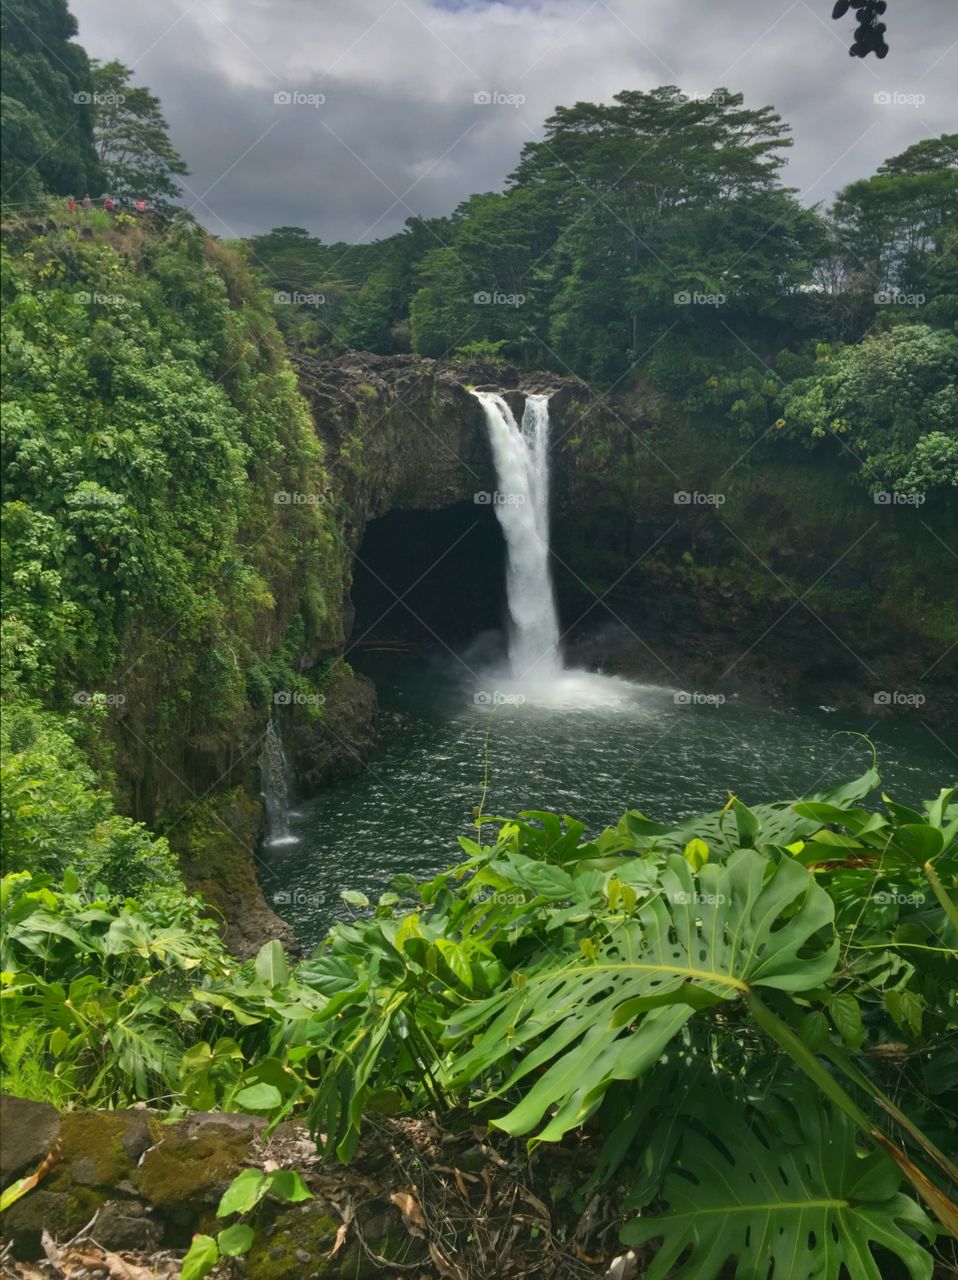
(892, 402)
(900, 225)
(132, 140)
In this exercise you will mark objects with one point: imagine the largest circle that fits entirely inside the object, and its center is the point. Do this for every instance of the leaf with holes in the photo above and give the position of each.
(797, 1199)
(579, 1022)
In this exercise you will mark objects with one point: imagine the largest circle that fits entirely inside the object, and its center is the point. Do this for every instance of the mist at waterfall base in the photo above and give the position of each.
(502, 725)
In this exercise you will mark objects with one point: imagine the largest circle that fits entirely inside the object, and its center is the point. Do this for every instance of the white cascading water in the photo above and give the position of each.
(521, 459)
(274, 775)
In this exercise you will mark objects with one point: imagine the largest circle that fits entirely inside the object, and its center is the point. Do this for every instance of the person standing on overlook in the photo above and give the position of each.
(87, 202)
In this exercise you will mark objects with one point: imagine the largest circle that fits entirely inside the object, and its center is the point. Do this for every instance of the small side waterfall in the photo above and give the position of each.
(522, 506)
(274, 776)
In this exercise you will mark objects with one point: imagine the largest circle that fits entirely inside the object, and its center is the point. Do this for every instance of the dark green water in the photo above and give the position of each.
(591, 747)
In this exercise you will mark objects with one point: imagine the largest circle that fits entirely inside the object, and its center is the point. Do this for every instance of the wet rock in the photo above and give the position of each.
(335, 745)
(216, 842)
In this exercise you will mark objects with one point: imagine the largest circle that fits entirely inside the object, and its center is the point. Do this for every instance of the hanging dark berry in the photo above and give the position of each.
(870, 33)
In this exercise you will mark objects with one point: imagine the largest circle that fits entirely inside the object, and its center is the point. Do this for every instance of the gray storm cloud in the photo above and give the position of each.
(348, 118)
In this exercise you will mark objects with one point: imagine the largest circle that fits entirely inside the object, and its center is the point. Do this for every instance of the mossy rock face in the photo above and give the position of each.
(101, 1148)
(189, 1170)
(26, 1220)
(298, 1242)
(336, 745)
(215, 843)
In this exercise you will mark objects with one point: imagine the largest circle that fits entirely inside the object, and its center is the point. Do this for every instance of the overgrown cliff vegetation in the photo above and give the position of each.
(150, 420)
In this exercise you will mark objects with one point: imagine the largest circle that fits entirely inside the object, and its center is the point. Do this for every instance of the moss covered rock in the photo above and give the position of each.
(187, 1172)
(216, 842)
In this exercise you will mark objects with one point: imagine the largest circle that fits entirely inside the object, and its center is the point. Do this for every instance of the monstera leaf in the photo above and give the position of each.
(783, 1192)
(609, 1012)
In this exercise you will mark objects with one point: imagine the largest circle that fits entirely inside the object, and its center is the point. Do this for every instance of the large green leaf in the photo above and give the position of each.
(738, 826)
(609, 1013)
(789, 1195)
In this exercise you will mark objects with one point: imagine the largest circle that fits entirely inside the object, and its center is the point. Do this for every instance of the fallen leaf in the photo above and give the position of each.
(120, 1269)
(348, 1214)
(446, 1267)
(410, 1209)
(50, 1247)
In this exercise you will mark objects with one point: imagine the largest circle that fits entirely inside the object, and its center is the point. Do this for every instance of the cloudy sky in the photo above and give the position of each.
(383, 120)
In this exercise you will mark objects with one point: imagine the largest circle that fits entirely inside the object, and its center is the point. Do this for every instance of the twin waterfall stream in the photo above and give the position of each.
(521, 457)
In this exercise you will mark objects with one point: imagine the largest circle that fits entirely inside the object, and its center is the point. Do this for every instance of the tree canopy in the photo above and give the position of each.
(47, 103)
(132, 140)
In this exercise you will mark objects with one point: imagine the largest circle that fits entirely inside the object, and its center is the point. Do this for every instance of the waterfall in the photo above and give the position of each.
(521, 502)
(274, 776)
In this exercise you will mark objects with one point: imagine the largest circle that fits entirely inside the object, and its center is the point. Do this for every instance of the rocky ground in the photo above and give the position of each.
(124, 1192)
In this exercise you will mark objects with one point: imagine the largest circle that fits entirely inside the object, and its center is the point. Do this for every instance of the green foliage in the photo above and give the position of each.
(562, 983)
(105, 983)
(797, 1196)
(150, 423)
(244, 1194)
(56, 814)
(745, 971)
(482, 351)
(136, 155)
(892, 401)
(897, 228)
(47, 105)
